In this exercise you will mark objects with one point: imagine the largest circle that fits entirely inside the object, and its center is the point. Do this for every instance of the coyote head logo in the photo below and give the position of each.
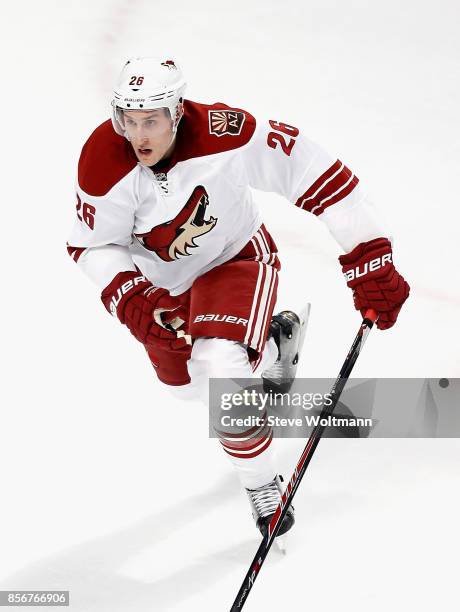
(175, 238)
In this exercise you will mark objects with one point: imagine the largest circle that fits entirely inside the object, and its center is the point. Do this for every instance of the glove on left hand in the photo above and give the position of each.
(152, 315)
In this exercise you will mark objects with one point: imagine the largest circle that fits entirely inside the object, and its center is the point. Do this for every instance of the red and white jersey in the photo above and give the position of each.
(178, 221)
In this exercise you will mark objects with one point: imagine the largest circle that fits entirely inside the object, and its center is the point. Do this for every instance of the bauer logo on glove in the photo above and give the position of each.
(123, 290)
(375, 282)
(154, 317)
(374, 264)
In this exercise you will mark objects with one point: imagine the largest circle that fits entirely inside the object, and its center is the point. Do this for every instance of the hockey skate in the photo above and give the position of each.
(264, 502)
(288, 330)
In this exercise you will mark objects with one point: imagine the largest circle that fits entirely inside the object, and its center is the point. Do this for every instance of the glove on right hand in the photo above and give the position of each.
(375, 282)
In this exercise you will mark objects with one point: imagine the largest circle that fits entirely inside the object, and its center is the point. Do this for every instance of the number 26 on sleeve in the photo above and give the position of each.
(88, 211)
(282, 134)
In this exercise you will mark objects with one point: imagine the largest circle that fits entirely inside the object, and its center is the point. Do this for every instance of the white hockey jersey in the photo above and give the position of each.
(183, 217)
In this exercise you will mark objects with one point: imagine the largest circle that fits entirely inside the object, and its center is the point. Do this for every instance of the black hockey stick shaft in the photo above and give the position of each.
(303, 462)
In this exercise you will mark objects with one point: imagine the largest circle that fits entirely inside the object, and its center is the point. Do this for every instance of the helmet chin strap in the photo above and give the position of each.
(173, 138)
(179, 115)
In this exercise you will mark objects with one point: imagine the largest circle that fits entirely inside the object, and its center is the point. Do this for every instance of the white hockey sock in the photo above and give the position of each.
(252, 455)
(268, 358)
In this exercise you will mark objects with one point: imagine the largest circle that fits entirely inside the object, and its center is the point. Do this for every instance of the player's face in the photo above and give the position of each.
(150, 133)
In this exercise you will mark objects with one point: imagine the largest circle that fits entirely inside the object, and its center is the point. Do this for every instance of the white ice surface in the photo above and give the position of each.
(110, 489)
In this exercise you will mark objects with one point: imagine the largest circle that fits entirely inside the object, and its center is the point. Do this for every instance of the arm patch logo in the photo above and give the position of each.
(226, 122)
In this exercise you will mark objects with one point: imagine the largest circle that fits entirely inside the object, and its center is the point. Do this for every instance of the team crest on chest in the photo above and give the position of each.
(175, 238)
(226, 122)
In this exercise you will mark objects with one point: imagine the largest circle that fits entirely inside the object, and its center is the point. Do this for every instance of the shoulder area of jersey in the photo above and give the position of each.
(213, 128)
(105, 159)
(205, 129)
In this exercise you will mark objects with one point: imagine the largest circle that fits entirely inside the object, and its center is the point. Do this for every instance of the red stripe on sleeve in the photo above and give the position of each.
(331, 187)
(317, 185)
(74, 252)
(339, 196)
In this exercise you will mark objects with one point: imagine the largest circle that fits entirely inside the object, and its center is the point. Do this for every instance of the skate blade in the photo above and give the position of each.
(281, 543)
(271, 377)
(303, 315)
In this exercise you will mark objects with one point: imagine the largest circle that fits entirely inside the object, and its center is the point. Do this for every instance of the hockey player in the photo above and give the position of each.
(166, 226)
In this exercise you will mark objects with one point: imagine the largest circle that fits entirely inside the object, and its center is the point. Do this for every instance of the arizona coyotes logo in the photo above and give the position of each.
(174, 238)
(169, 64)
(226, 122)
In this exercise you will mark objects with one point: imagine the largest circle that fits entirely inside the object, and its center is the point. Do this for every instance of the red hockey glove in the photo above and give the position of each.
(376, 283)
(152, 315)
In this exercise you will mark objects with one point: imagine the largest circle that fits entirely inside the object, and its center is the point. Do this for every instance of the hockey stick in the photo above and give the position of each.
(305, 458)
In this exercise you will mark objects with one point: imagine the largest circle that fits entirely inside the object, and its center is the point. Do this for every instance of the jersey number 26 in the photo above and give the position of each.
(86, 213)
(283, 134)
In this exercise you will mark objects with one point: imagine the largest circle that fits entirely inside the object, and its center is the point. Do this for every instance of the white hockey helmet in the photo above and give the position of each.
(147, 83)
